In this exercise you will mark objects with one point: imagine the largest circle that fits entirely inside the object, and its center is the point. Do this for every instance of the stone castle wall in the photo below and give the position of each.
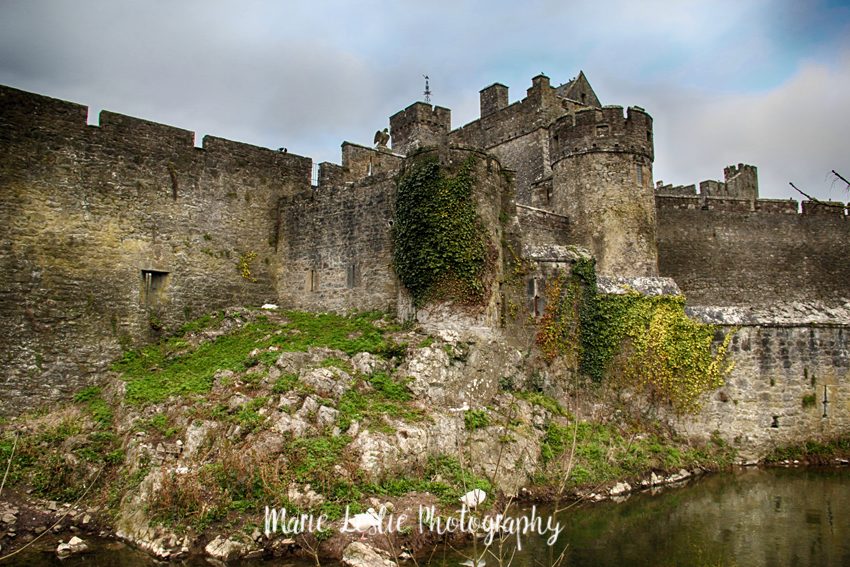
(336, 248)
(774, 395)
(743, 252)
(115, 231)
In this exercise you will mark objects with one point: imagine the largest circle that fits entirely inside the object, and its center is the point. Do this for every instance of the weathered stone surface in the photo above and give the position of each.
(75, 545)
(753, 253)
(330, 382)
(366, 363)
(408, 447)
(358, 554)
(227, 549)
(133, 523)
(774, 394)
(197, 434)
(304, 496)
(121, 230)
(509, 459)
(643, 285)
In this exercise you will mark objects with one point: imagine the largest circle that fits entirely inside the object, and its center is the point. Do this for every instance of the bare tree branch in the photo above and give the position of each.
(841, 177)
(818, 201)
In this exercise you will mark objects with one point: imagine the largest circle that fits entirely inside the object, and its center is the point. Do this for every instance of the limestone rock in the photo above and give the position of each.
(304, 496)
(620, 488)
(294, 424)
(429, 371)
(326, 416)
(367, 363)
(330, 382)
(237, 401)
(409, 446)
(133, 522)
(358, 554)
(509, 460)
(196, 435)
(74, 545)
(226, 549)
(291, 362)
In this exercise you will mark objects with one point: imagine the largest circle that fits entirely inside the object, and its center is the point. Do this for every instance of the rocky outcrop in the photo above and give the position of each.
(359, 554)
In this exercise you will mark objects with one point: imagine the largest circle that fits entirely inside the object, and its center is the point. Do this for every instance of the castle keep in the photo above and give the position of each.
(115, 232)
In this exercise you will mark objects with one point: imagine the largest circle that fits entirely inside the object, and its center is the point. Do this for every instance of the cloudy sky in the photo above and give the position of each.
(761, 82)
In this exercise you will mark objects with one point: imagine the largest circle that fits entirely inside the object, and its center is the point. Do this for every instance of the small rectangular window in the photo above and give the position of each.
(313, 280)
(602, 130)
(153, 286)
(639, 174)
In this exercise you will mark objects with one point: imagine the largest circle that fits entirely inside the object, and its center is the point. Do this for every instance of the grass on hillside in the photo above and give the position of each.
(174, 367)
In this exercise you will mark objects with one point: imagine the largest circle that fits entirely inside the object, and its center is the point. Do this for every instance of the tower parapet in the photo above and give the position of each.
(603, 130)
(419, 125)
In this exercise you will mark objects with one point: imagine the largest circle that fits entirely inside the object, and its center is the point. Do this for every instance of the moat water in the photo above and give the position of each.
(752, 518)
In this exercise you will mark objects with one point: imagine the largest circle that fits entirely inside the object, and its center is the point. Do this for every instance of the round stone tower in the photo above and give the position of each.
(602, 181)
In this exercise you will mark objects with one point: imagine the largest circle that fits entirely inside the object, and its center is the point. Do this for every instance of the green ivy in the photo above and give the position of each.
(647, 342)
(440, 246)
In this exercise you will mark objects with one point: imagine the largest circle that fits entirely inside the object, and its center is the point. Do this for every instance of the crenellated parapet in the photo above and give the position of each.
(739, 182)
(602, 130)
(419, 125)
(120, 230)
(32, 119)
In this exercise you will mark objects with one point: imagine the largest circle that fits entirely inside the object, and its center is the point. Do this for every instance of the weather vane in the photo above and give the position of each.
(427, 89)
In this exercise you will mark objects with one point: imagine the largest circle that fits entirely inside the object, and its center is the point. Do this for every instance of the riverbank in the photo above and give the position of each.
(180, 452)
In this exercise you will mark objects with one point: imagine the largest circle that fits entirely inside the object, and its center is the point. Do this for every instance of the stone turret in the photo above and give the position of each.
(602, 180)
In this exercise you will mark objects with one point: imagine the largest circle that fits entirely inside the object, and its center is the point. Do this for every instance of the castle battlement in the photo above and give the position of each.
(501, 122)
(135, 140)
(604, 129)
(419, 125)
(740, 182)
(829, 209)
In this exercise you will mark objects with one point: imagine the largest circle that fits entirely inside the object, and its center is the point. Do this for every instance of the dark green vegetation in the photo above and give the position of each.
(640, 341)
(823, 451)
(605, 453)
(439, 244)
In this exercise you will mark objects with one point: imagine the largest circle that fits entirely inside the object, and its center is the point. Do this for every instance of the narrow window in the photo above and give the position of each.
(153, 286)
(639, 174)
(314, 280)
(352, 276)
(536, 300)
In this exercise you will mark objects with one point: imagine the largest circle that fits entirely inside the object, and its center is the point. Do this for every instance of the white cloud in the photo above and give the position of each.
(796, 132)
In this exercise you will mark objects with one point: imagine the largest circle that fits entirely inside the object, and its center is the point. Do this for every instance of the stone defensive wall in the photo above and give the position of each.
(517, 133)
(501, 122)
(783, 373)
(754, 252)
(543, 227)
(336, 246)
(114, 233)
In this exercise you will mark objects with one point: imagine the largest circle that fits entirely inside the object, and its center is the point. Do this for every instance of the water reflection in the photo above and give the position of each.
(753, 518)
